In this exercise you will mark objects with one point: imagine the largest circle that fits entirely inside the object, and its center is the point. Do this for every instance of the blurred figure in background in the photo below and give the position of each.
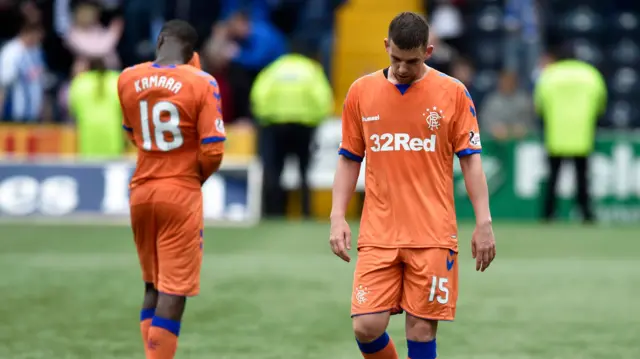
(523, 43)
(508, 112)
(246, 47)
(93, 102)
(570, 95)
(88, 38)
(289, 98)
(22, 76)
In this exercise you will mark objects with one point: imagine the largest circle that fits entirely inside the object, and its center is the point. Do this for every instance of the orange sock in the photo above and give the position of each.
(162, 341)
(145, 323)
(381, 348)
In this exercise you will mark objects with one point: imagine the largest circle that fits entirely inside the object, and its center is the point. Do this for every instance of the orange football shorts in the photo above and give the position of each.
(167, 223)
(421, 281)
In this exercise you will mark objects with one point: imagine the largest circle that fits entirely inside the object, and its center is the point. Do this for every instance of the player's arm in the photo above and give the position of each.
(352, 151)
(210, 131)
(126, 124)
(467, 147)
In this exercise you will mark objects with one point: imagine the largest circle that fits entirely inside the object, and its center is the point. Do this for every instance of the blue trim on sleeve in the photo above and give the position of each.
(213, 139)
(467, 152)
(376, 345)
(127, 128)
(349, 155)
(172, 326)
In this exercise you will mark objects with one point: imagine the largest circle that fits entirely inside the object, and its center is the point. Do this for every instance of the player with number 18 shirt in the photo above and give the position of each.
(172, 114)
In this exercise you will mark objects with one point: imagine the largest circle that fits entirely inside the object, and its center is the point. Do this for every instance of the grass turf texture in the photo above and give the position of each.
(276, 291)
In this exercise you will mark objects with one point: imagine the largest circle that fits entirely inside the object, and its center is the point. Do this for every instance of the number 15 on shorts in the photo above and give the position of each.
(439, 290)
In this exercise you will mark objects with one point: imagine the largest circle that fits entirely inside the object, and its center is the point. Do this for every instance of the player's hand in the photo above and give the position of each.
(483, 246)
(340, 238)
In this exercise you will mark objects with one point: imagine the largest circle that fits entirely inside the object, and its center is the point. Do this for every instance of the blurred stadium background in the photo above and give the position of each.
(271, 288)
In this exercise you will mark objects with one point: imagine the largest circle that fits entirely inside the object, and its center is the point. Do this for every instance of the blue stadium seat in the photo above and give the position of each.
(589, 51)
(488, 19)
(622, 114)
(624, 24)
(624, 83)
(625, 52)
(582, 21)
(487, 52)
(486, 80)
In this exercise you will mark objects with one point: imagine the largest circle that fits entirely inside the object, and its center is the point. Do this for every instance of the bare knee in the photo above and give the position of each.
(421, 330)
(370, 327)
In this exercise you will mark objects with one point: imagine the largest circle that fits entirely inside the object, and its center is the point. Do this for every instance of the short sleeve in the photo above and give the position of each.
(466, 133)
(352, 144)
(210, 124)
(126, 125)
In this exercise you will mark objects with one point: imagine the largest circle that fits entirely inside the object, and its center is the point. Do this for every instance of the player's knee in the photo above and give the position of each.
(421, 330)
(370, 327)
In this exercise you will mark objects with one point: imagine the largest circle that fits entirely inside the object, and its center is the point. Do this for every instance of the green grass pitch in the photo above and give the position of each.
(276, 291)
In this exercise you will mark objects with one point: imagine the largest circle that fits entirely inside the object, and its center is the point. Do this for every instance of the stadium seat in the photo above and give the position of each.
(625, 52)
(624, 24)
(624, 82)
(488, 19)
(487, 52)
(622, 114)
(582, 21)
(588, 50)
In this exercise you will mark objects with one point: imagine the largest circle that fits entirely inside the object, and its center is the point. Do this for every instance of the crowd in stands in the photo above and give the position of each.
(45, 44)
(495, 47)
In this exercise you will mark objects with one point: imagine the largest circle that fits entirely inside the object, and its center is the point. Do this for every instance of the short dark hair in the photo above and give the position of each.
(183, 32)
(409, 30)
(30, 27)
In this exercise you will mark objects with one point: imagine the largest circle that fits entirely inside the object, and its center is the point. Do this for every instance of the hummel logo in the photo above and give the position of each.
(372, 118)
(450, 260)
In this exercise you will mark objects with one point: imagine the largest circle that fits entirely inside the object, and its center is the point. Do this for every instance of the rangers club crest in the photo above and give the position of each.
(433, 116)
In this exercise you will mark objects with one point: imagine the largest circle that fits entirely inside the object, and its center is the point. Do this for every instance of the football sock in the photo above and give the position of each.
(145, 323)
(163, 338)
(422, 350)
(381, 348)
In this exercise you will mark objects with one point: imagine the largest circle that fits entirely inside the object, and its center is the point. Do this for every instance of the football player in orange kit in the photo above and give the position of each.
(172, 114)
(409, 120)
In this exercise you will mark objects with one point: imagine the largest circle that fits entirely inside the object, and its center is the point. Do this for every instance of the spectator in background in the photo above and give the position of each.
(523, 38)
(508, 112)
(88, 38)
(570, 95)
(248, 47)
(93, 103)
(316, 26)
(290, 98)
(22, 76)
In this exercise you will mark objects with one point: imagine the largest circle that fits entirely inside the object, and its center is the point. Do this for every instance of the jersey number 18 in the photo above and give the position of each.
(160, 127)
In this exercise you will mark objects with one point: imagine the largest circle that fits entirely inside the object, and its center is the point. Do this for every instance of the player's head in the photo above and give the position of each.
(408, 45)
(31, 34)
(177, 36)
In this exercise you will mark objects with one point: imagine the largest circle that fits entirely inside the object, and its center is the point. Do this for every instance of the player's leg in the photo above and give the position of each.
(376, 295)
(436, 270)
(179, 247)
(142, 224)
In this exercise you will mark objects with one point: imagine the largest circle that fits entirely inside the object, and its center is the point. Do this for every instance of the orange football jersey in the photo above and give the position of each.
(409, 135)
(171, 113)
